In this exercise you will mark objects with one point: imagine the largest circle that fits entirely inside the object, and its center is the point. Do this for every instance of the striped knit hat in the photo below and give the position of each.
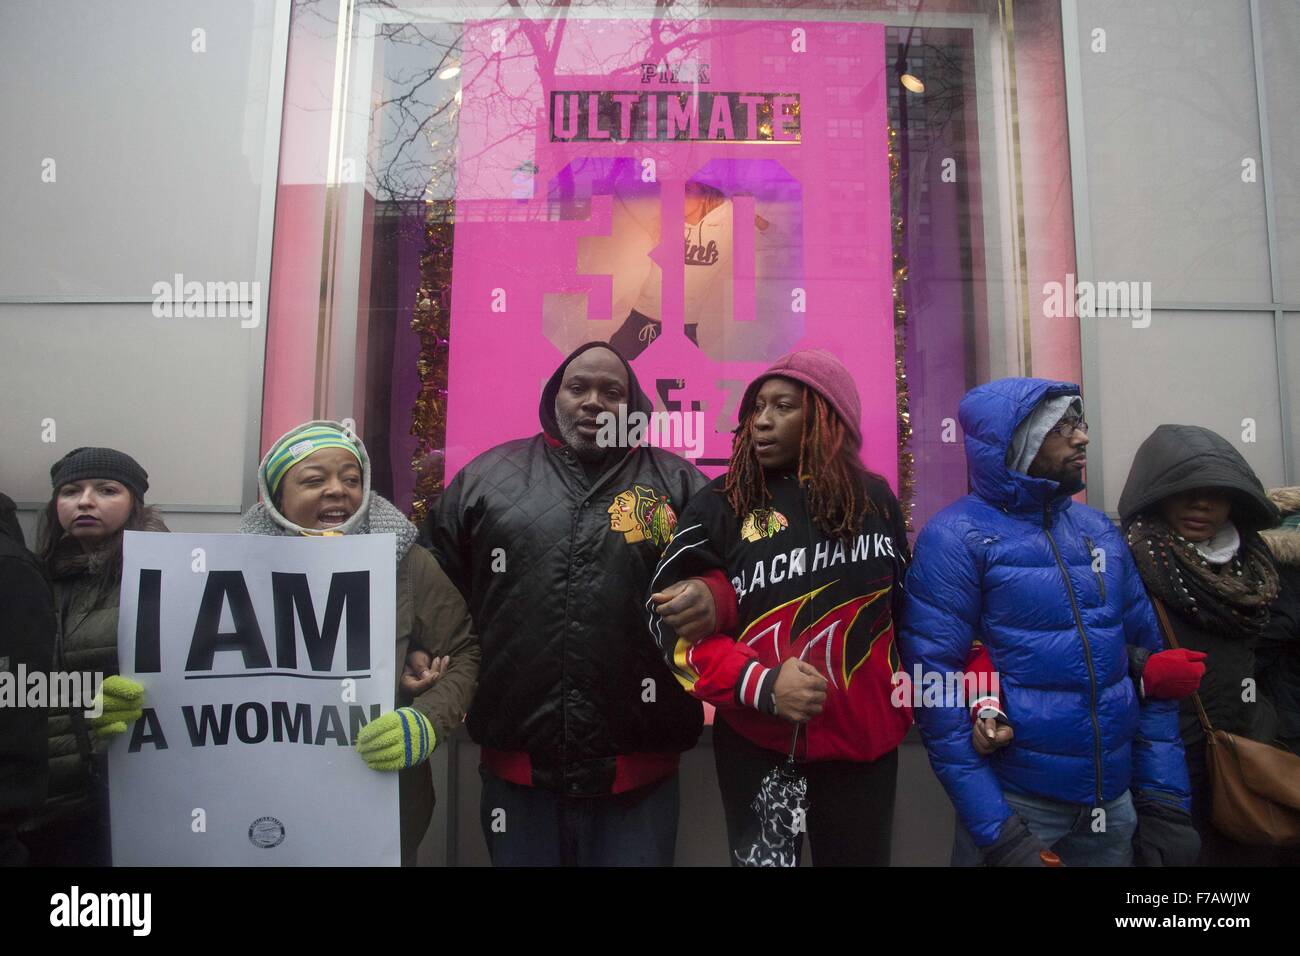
(298, 444)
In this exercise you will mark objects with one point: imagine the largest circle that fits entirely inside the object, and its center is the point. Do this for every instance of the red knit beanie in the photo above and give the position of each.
(820, 371)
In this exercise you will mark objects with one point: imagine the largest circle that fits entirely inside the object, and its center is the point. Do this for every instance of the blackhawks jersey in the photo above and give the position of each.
(799, 593)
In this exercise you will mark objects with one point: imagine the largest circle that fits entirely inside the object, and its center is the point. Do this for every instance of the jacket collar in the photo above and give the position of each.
(555, 446)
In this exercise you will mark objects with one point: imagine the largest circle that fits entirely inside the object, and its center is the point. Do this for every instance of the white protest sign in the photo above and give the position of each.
(261, 657)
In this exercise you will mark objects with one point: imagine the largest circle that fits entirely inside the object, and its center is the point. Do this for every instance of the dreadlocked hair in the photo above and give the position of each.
(828, 466)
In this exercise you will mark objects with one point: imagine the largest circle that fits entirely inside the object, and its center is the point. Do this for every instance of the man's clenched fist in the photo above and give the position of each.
(687, 607)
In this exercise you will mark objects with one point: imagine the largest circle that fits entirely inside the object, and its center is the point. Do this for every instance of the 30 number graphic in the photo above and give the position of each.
(749, 320)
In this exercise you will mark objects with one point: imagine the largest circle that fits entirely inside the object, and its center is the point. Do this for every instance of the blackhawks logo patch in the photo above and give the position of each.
(762, 523)
(642, 514)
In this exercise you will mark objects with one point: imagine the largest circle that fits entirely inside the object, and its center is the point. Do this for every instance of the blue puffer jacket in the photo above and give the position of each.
(1012, 565)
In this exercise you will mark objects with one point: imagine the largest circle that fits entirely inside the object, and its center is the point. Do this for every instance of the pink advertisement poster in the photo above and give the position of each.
(705, 196)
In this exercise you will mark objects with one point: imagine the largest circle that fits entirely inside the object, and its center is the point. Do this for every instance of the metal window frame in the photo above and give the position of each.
(1270, 222)
(265, 241)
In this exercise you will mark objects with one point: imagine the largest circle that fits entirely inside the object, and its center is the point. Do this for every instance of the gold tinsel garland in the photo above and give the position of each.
(432, 322)
(906, 463)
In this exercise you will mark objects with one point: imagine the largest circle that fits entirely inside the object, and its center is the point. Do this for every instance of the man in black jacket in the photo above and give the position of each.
(26, 643)
(552, 540)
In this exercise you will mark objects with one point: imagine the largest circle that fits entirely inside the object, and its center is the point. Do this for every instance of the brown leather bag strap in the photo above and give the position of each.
(1165, 626)
(1172, 641)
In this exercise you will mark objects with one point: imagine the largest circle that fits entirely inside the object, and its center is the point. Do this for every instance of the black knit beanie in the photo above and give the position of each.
(100, 463)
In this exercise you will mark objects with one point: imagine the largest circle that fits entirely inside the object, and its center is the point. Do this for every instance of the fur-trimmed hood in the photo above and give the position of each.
(1286, 499)
(1284, 542)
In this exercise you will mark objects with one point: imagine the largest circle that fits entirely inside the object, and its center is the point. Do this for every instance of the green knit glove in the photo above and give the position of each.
(398, 739)
(123, 703)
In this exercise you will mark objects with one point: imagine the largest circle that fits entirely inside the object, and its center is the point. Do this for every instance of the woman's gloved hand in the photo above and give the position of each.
(120, 702)
(1016, 846)
(1173, 674)
(396, 740)
(1165, 835)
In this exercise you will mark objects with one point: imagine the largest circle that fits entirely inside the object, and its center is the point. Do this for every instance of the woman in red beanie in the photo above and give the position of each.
(814, 546)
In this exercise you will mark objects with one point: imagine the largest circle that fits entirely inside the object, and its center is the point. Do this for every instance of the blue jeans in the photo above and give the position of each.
(1066, 829)
(526, 826)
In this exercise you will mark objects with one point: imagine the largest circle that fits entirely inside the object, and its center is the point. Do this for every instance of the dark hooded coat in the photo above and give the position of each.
(571, 694)
(1177, 458)
(26, 641)
(86, 604)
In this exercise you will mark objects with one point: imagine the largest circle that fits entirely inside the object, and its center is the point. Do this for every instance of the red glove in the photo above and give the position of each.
(1173, 674)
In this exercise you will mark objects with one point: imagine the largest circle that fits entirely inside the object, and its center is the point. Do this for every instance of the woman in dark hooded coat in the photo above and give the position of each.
(1192, 510)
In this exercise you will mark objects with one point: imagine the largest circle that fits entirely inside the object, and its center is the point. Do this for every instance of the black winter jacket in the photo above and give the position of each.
(26, 644)
(553, 566)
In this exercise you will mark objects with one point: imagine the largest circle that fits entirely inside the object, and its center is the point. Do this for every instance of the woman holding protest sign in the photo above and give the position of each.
(315, 481)
(97, 494)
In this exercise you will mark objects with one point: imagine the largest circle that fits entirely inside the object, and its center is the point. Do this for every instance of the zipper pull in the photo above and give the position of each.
(1092, 557)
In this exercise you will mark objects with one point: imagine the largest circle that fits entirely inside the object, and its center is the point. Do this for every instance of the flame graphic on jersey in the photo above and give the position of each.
(828, 643)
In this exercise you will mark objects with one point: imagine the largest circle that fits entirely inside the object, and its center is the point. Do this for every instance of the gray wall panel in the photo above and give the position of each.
(158, 149)
(173, 393)
(1188, 368)
(1169, 114)
(1280, 26)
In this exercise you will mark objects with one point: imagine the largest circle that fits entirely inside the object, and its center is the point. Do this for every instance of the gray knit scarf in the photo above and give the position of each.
(380, 517)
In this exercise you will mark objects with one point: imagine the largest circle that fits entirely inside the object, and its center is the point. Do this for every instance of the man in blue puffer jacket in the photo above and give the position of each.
(1049, 587)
